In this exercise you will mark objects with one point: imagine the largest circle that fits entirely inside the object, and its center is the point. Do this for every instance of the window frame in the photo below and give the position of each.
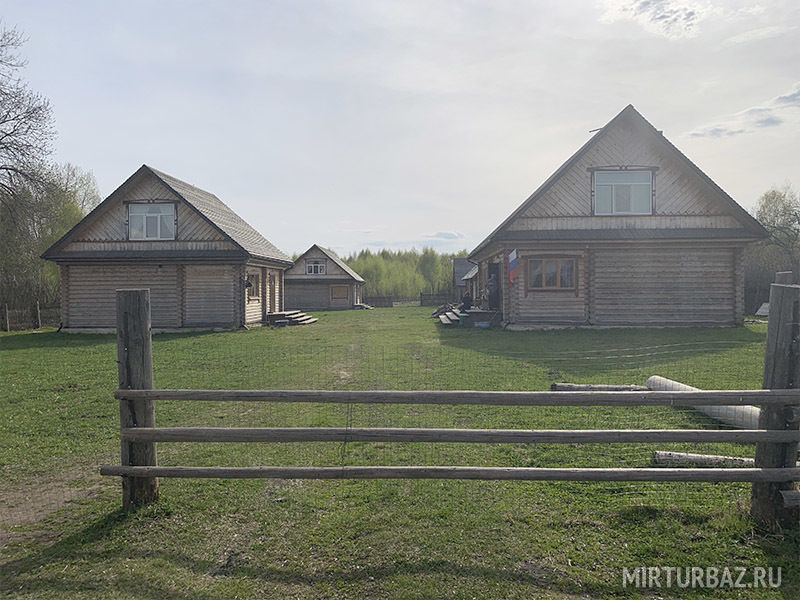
(254, 290)
(593, 183)
(346, 294)
(529, 287)
(313, 266)
(145, 203)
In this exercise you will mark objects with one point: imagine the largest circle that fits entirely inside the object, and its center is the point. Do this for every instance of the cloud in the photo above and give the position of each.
(773, 113)
(754, 35)
(674, 19)
(444, 235)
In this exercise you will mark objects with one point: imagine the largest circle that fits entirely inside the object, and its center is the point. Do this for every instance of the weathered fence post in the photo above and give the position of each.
(8, 319)
(135, 362)
(781, 370)
(38, 315)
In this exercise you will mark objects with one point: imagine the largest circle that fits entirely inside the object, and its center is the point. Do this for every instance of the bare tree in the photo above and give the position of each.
(26, 127)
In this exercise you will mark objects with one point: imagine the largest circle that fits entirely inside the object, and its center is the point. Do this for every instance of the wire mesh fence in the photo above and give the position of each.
(88, 435)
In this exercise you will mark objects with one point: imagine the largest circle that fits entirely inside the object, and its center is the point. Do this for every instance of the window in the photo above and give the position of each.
(151, 221)
(253, 287)
(315, 266)
(623, 192)
(339, 292)
(551, 274)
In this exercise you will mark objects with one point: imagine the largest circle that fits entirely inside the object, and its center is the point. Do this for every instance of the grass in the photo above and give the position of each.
(66, 538)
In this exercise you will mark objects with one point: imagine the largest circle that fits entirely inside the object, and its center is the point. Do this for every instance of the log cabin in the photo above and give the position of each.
(320, 280)
(627, 232)
(204, 265)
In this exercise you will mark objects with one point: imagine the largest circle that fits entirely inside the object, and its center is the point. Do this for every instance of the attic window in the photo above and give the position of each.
(151, 221)
(623, 192)
(315, 267)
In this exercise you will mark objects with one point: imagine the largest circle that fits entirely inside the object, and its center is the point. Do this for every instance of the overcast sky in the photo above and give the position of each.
(411, 123)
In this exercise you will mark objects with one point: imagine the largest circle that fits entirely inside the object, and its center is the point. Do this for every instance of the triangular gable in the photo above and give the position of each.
(330, 254)
(211, 220)
(544, 202)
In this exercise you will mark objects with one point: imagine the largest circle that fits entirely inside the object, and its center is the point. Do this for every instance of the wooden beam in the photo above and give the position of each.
(660, 398)
(791, 497)
(135, 370)
(686, 459)
(484, 436)
(447, 472)
(781, 370)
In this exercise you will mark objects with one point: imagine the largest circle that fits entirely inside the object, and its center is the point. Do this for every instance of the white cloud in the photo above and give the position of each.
(773, 113)
(754, 35)
(674, 19)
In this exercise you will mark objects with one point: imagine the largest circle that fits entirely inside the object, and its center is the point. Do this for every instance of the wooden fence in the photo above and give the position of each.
(31, 317)
(774, 491)
(435, 299)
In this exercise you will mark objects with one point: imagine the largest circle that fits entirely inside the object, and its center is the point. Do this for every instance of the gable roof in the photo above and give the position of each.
(335, 258)
(461, 266)
(216, 212)
(750, 226)
(471, 273)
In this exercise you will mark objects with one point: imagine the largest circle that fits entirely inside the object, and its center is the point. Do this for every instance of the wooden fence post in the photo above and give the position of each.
(8, 320)
(781, 370)
(38, 315)
(135, 367)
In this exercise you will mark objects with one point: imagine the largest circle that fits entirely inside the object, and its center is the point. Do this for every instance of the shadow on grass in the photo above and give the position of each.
(90, 544)
(33, 339)
(586, 352)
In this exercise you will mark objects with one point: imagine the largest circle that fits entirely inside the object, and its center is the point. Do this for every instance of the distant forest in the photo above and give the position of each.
(404, 273)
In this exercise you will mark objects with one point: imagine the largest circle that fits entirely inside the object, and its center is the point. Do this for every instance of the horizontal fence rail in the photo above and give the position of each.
(775, 499)
(680, 399)
(485, 436)
(485, 473)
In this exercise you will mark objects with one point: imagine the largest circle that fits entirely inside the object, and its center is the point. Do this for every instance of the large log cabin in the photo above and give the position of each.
(627, 232)
(204, 265)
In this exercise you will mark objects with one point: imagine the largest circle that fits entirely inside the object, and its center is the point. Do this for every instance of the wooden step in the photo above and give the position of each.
(445, 321)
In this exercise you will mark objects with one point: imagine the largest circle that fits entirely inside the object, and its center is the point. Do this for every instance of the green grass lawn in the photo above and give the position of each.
(63, 535)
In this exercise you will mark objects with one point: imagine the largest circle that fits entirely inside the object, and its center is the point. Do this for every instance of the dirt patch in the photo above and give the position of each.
(37, 498)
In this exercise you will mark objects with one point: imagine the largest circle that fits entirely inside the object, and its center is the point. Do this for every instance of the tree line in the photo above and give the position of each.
(404, 273)
(39, 199)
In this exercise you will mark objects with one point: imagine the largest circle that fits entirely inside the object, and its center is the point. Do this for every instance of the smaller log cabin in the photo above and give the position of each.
(320, 280)
(627, 232)
(204, 265)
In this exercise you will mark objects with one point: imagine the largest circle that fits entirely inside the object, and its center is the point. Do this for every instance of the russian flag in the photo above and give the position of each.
(513, 267)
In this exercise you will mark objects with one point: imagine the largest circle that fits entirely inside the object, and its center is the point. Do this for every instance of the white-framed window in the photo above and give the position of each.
(627, 192)
(315, 266)
(151, 221)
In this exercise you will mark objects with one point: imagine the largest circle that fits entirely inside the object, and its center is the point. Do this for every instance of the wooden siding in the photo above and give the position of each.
(640, 222)
(92, 292)
(550, 307)
(333, 271)
(664, 286)
(680, 192)
(107, 231)
(210, 298)
(306, 295)
(254, 304)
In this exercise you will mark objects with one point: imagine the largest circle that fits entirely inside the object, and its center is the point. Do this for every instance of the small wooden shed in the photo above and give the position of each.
(204, 265)
(320, 280)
